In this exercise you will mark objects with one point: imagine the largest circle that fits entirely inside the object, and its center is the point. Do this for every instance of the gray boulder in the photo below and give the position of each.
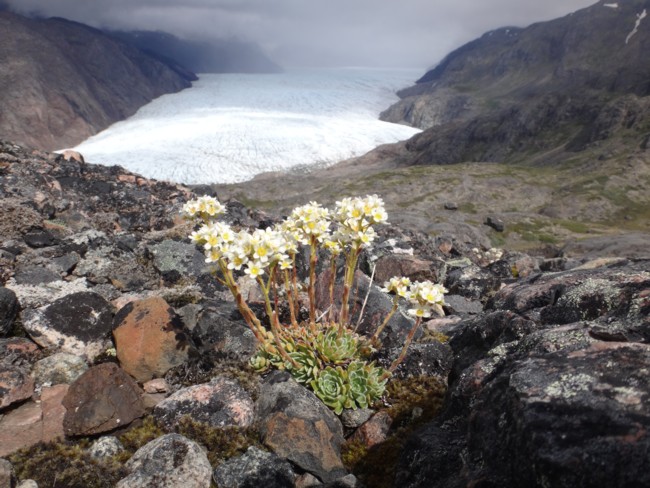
(168, 461)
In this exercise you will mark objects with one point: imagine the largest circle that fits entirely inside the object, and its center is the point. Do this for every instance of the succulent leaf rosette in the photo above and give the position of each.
(328, 357)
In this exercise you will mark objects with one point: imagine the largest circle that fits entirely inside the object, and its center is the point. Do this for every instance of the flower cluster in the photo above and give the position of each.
(328, 357)
(424, 296)
(311, 220)
(204, 207)
(254, 252)
(355, 218)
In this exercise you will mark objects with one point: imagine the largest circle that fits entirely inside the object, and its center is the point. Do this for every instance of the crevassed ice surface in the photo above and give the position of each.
(229, 127)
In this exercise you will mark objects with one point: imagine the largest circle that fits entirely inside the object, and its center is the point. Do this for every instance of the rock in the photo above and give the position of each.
(472, 282)
(34, 296)
(169, 460)
(297, 426)
(495, 222)
(525, 408)
(157, 385)
(39, 238)
(21, 427)
(122, 269)
(71, 155)
(422, 359)
(374, 431)
(35, 275)
(53, 411)
(16, 384)
(307, 480)
(352, 419)
(100, 400)
(410, 267)
(150, 339)
(79, 324)
(60, 368)
(220, 403)
(7, 474)
(451, 206)
(66, 263)
(347, 481)
(254, 469)
(18, 351)
(8, 310)
(105, 447)
(27, 484)
(175, 260)
(216, 331)
(459, 305)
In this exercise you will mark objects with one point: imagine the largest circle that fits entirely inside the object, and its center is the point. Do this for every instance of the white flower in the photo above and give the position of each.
(254, 269)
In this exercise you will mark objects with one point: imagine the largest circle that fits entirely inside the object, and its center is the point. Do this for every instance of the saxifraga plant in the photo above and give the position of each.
(322, 354)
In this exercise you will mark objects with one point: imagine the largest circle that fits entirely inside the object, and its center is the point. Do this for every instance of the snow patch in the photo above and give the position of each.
(611, 5)
(228, 128)
(639, 18)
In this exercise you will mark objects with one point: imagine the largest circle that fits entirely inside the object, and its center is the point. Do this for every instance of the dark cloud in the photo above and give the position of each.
(414, 33)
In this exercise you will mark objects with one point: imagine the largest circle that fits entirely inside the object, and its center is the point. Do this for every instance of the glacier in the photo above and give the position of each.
(228, 128)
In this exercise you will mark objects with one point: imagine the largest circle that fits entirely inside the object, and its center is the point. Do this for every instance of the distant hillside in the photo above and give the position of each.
(61, 81)
(560, 110)
(218, 56)
(535, 94)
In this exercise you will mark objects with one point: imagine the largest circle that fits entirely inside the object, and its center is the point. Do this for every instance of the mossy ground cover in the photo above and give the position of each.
(578, 196)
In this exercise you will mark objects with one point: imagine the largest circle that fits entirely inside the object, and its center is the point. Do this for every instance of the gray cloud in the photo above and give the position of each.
(408, 33)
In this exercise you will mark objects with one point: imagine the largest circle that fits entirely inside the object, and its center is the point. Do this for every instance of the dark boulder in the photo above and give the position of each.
(102, 399)
(8, 310)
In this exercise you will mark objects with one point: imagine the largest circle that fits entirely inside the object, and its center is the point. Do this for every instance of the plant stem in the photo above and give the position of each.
(407, 343)
(332, 281)
(313, 258)
(350, 268)
(249, 317)
(290, 298)
(375, 337)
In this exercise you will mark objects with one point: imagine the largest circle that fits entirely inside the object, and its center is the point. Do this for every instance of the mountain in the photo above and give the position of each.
(217, 56)
(61, 81)
(560, 110)
(564, 86)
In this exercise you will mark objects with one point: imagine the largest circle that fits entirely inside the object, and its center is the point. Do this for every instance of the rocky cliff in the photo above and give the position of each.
(61, 82)
(516, 94)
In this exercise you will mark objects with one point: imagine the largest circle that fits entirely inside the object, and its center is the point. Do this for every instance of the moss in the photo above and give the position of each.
(221, 443)
(66, 465)
(414, 401)
(210, 364)
(418, 392)
(144, 431)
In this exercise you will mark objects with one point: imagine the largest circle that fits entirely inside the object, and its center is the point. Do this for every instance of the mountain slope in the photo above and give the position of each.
(61, 81)
(563, 85)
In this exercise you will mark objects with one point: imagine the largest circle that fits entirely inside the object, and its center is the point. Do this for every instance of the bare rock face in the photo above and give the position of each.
(548, 389)
(16, 384)
(74, 81)
(255, 468)
(150, 339)
(220, 403)
(297, 426)
(102, 399)
(170, 460)
(79, 323)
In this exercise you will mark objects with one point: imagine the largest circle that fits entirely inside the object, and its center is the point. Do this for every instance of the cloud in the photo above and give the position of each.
(413, 33)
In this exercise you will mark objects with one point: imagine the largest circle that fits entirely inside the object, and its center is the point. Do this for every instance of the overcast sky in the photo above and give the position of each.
(399, 33)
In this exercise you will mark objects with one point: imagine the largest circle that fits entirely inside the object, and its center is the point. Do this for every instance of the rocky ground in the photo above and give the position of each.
(123, 361)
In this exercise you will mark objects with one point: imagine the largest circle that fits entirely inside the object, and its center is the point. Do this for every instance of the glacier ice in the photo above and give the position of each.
(228, 128)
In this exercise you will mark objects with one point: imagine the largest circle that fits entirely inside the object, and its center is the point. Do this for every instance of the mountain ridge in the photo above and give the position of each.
(61, 81)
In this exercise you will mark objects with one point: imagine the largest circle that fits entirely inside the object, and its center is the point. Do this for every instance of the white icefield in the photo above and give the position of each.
(229, 127)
